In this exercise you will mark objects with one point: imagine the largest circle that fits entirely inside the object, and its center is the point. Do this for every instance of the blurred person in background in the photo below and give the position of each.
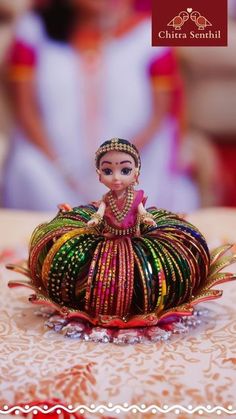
(8, 12)
(81, 72)
(143, 5)
(210, 86)
(6, 17)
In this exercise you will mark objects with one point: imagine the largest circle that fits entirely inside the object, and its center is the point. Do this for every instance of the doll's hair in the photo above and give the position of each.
(118, 144)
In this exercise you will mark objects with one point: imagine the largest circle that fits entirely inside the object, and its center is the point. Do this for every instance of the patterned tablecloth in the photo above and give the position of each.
(189, 370)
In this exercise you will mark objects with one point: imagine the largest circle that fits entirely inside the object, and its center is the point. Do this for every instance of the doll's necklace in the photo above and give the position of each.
(121, 214)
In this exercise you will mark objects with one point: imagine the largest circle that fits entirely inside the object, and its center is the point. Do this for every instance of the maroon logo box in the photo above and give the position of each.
(189, 23)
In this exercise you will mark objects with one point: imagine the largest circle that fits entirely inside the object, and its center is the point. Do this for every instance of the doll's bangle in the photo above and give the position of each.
(146, 215)
(97, 217)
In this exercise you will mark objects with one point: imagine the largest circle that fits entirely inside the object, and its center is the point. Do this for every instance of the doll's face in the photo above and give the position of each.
(117, 170)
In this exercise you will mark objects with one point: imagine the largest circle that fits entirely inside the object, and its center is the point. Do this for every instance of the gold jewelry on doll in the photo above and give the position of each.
(121, 214)
(115, 145)
(144, 216)
(98, 217)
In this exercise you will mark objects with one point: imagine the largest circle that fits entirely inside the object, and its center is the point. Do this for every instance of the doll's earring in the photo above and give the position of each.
(136, 182)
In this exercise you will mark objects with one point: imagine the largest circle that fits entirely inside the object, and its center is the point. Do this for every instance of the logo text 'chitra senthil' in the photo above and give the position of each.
(182, 24)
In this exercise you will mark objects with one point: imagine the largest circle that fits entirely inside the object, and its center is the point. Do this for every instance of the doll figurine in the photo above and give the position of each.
(115, 263)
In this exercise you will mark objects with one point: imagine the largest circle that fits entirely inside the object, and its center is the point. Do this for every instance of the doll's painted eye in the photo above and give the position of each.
(126, 171)
(107, 171)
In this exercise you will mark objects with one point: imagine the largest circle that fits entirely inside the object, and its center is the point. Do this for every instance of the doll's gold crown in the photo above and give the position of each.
(116, 145)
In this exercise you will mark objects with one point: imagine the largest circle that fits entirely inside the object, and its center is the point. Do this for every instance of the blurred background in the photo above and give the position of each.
(74, 73)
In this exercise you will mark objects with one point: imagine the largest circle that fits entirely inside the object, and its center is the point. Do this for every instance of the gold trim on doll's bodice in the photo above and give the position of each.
(120, 214)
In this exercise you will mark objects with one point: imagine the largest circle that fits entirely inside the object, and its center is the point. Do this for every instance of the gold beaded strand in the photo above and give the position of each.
(121, 214)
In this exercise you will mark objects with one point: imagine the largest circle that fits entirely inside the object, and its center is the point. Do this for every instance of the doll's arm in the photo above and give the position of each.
(98, 216)
(64, 207)
(145, 217)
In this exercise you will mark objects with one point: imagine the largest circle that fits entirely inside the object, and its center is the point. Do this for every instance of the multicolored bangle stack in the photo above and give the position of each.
(123, 280)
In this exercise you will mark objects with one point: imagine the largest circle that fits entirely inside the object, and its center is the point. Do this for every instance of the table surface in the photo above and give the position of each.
(193, 369)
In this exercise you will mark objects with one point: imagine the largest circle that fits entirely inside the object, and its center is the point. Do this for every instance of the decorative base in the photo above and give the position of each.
(84, 331)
